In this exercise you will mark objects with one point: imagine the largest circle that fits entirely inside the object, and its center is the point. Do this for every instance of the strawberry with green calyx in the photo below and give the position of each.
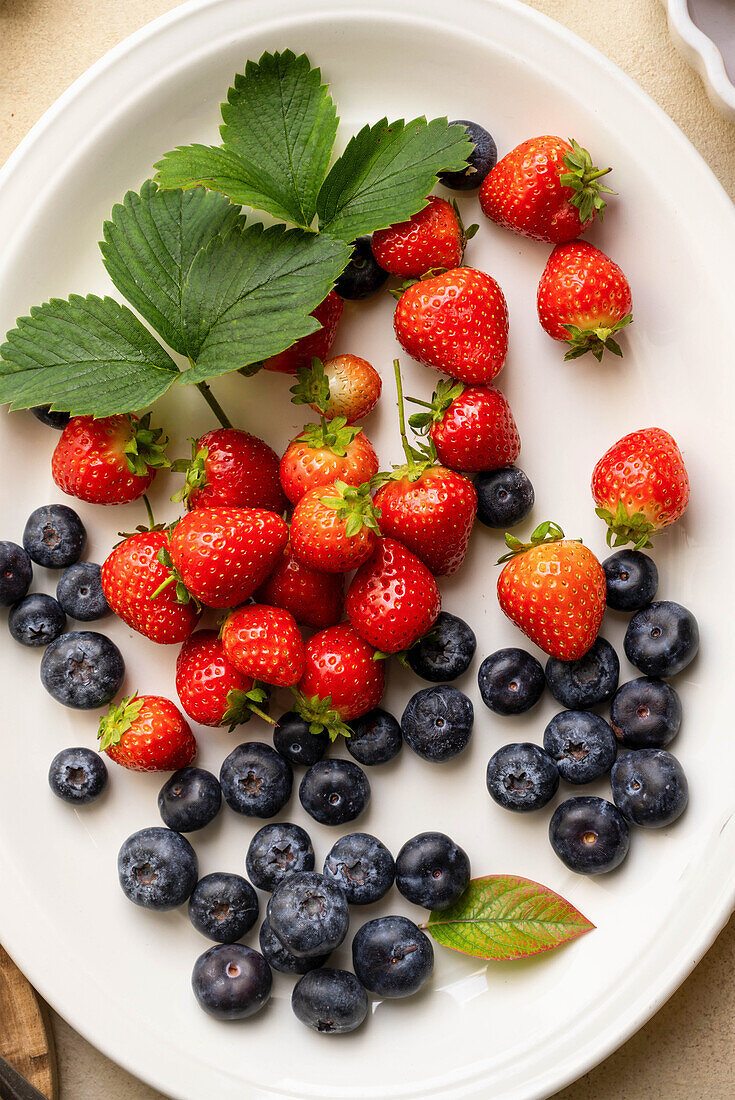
(472, 427)
(325, 452)
(334, 528)
(147, 733)
(432, 240)
(264, 642)
(341, 680)
(210, 689)
(231, 468)
(110, 460)
(343, 386)
(318, 343)
(313, 597)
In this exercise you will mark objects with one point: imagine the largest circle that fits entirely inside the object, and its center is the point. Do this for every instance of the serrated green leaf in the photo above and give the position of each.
(212, 167)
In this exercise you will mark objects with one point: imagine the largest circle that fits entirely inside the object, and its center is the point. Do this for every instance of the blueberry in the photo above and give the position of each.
(157, 868)
(308, 913)
(662, 639)
(277, 850)
(330, 1001)
(645, 714)
(223, 907)
(82, 669)
(363, 275)
(392, 957)
(632, 580)
(362, 865)
(280, 959)
(482, 159)
(296, 743)
(581, 744)
(189, 800)
(376, 738)
(77, 775)
(16, 573)
(432, 871)
(522, 777)
(504, 497)
(54, 536)
(437, 723)
(511, 681)
(586, 682)
(79, 592)
(445, 652)
(650, 788)
(36, 620)
(231, 981)
(57, 420)
(334, 791)
(589, 835)
(256, 780)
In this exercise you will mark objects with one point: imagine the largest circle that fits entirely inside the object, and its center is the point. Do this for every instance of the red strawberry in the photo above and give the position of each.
(265, 643)
(472, 428)
(112, 460)
(314, 598)
(317, 344)
(130, 576)
(211, 690)
(554, 590)
(323, 453)
(640, 486)
(456, 322)
(147, 733)
(345, 386)
(341, 680)
(231, 469)
(334, 527)
(546, 188)
(393, 598)
(431, 240)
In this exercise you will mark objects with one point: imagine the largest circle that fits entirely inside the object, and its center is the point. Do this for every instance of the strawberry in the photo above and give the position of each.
(334, 527)
(265, 643)
(393, 598)
(640, 485)
(432, 240)
(345, 386)
(147, 733)
(130, 576)
(314, 598)
(112, 460)
(341, 680)
(456, 322)
(583, 298)
(323, 453)
(546, 188)
(554, 590)
(317, 344)
(231, 469)
(472, 428)
(210, 689)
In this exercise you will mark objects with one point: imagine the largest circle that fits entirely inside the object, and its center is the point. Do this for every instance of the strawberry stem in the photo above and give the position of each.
(214, 404)
(162, 586)
(402, 417)
(149, 510)
(261, 714)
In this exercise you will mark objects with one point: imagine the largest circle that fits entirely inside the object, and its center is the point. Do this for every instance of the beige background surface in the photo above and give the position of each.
(687, 1051)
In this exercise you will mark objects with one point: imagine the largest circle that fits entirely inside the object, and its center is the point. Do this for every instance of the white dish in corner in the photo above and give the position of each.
(702, 35)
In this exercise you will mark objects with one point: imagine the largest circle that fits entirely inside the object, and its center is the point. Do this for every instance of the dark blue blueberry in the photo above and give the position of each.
(83, 669)
(649, 788)
(645, 714)
(363, 275)
(334, 791)
(256, 780)
(511, 681)
(392, 957)
(77, 775)
(632, 580)
(330, 1001)
(223, 907)
(522, 777)
(662, 639)
(189, 800)
(445, 652)
(589, 835)
(482, 160)
(376, 738)
(437, 723)
(36, 620)
(432, 871)
(57, 420)
(504, 497)
(309, 914)
(157, 868)
(581, 744)
(79, 592)
(277, 850)
(54, 536)
(293, 740)
(586, 682)
(362, 865)
(231, 981)
(16, 573)
(280, 959)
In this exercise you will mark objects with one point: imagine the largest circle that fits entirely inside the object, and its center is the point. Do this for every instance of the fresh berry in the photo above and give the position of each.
(645, 714)
(210, 689)
(223, 907)
(231, 981)
(334, 528)
(316, 345)
(279, 958)
(112, 460)
(278, 850)
(83, 670)
(345, 386)
(324, 453)
(54, 536)
(334, 791)
(546, 188)
(265, 643)
(147, 733)
(445, 651)
(363, 275)
(471, 427)
(432, 240)
(362, 865)
(631, 578)
(393, 598)
(581, 744)
(650, 788)
(437, 723)
(522, 777)
(640, 485)
(256, 780)
(309, 914)
(432, 871)
(77, 776)
(51, 419)
(511, 681)
(392, 957)
(504, 497)
(376, 738)
(230, 469)
(16, 573)
(330, 1002)
(586, 682)
(313, 597)
(662, 639)
(80, 592)
(189, 800)
(157, 868)
(589, 835)
(341, 680)
(295, 741)
(36, 620)
(482, 159)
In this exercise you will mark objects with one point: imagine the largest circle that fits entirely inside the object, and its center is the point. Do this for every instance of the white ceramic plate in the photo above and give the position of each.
(704, 33)
(121, 975)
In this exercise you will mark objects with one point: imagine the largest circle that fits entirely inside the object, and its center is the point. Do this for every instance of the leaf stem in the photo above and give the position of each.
(149, 510)
(214, 404)
(401, 415)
